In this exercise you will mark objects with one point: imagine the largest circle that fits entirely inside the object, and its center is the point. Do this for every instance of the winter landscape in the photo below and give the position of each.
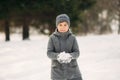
(26, 24)
(27, 60)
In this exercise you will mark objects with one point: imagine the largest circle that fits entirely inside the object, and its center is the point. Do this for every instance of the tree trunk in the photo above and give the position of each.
(25, 30)
(119, 24)
(85, 28)
(119, 17)
(7, 30)
(119, 27)
(51, 28)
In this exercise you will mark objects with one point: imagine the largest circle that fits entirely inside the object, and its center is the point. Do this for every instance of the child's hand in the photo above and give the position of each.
(64, 57)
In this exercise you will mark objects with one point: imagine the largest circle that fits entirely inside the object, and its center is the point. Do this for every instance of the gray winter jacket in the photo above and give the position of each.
(59, 42)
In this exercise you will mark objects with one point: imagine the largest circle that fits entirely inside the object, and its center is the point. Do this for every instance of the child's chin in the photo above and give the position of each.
(63, 31)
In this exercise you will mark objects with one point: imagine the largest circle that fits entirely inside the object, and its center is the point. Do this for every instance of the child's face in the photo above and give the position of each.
(63, 27)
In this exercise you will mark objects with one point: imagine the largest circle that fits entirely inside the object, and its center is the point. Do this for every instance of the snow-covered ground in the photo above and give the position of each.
(27, 60)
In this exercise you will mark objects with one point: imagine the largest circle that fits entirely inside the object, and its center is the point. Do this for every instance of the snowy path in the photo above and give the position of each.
(27, 60)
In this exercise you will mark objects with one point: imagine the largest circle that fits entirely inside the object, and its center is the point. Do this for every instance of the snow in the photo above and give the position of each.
(27, 60)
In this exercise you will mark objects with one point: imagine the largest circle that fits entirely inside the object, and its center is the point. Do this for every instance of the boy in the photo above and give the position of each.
(63, 50)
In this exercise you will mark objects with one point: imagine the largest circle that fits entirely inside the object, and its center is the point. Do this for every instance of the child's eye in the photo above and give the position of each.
(65, 25)
(60, 24)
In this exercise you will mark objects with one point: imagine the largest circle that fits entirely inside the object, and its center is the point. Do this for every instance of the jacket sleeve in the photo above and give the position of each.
(50, 50)
(75, 49)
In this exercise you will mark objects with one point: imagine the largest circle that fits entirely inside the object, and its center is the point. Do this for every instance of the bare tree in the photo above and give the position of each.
(7, 30)
(25, 29)
(119, 15)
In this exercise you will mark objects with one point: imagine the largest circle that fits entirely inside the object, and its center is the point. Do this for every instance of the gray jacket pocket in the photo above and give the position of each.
(73, 63)
(55, 64)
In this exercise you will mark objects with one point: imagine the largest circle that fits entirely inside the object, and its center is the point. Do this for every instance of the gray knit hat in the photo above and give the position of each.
(61, 18)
